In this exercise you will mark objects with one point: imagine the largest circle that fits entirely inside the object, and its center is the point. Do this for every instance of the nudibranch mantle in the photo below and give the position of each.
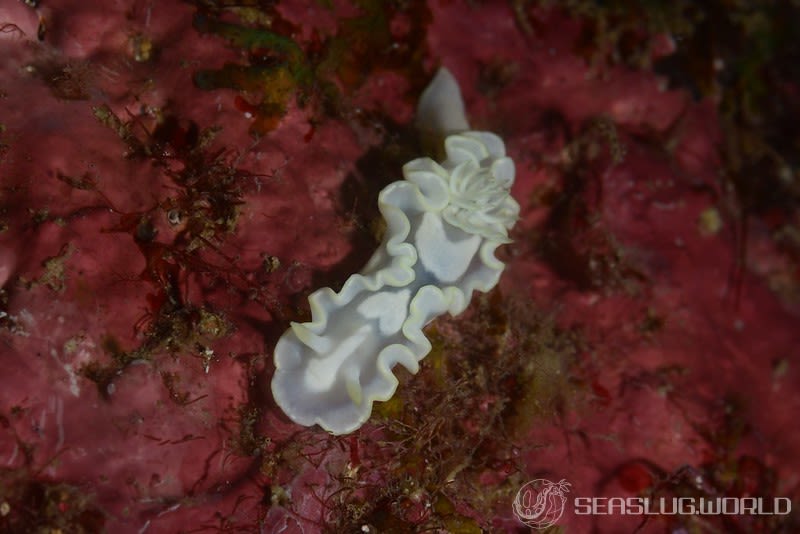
(444, 222)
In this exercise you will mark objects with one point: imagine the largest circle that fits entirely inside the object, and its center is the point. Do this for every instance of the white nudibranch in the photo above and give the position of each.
(444, 222)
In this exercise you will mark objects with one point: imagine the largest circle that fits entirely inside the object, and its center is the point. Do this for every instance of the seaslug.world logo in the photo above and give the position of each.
(540, 503)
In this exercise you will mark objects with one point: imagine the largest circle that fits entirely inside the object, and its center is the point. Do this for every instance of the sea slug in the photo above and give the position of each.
(444, 222)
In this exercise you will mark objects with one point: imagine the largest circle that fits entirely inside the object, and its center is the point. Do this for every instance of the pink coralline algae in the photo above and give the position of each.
(178, 177)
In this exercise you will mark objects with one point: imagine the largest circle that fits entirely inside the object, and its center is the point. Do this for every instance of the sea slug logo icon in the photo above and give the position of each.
(540, 503)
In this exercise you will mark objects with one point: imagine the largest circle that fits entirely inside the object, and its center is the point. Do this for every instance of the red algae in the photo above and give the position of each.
(178, 177)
